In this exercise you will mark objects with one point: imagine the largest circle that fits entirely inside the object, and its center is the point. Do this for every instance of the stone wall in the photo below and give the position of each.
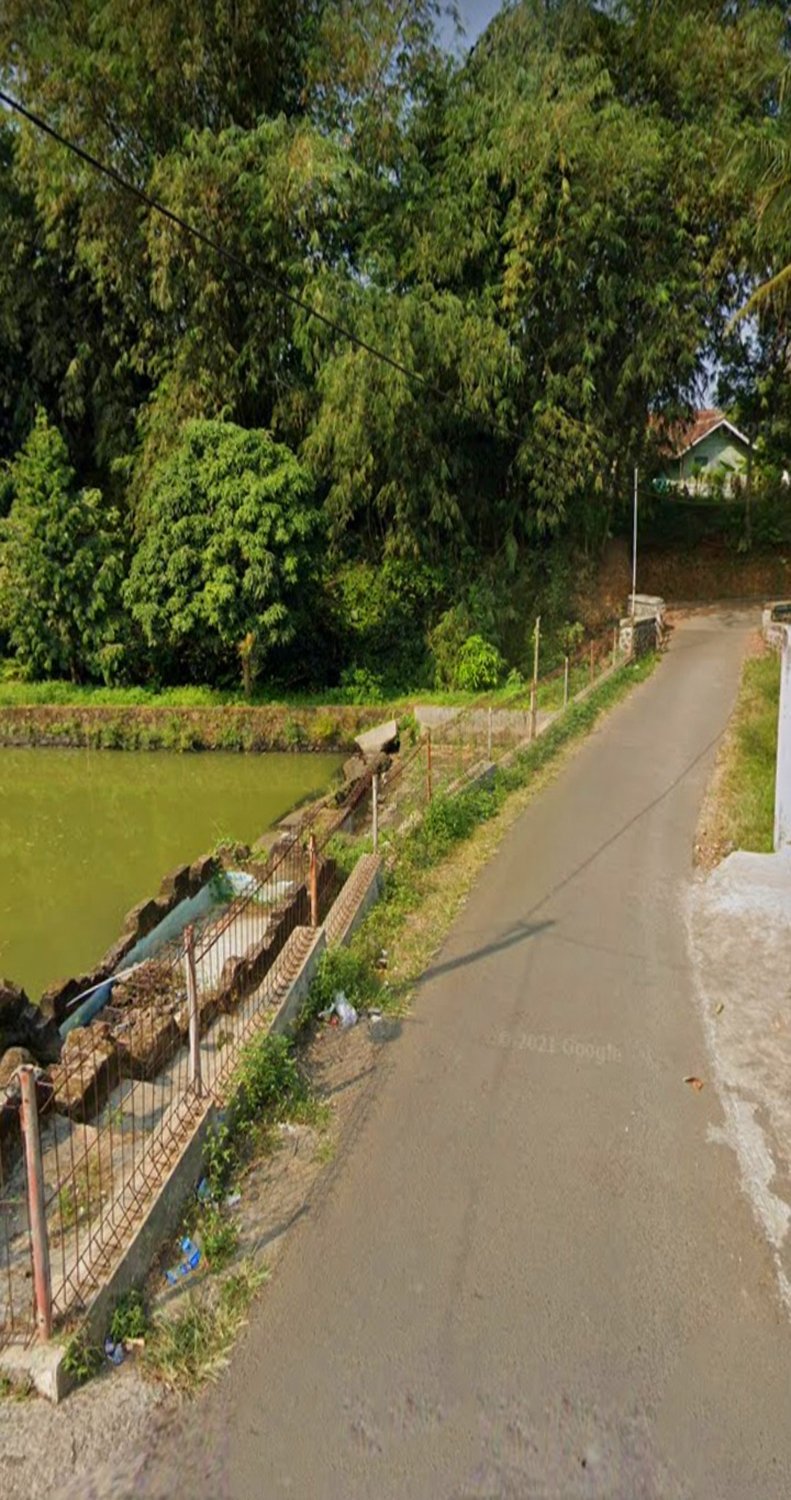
(639, 636)
(182, 883)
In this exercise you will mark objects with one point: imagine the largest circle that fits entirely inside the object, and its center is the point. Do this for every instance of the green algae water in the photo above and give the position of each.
(85, 834)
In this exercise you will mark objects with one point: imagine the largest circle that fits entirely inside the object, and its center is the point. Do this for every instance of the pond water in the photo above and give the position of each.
(85, 834)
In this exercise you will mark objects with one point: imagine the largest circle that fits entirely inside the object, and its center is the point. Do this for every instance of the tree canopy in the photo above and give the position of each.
(548, 237)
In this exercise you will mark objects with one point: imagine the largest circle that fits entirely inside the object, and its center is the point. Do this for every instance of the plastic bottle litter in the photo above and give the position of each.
(203, 1191)
(190, 1262)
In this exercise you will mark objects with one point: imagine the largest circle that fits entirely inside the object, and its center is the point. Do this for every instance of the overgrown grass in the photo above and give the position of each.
(739, 812)
(185, 1351)
(268, 1088)
(19, 694)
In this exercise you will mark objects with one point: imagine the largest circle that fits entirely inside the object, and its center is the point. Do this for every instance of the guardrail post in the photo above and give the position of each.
(428, 765)
(195, 1079)
(375, 810)
(39, 1237)
(313, 882)
(565, 681)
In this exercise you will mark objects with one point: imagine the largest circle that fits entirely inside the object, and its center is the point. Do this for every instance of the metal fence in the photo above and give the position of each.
(103, 1128)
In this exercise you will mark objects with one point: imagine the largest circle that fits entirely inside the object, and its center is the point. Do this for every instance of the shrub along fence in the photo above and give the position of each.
(99, 1132)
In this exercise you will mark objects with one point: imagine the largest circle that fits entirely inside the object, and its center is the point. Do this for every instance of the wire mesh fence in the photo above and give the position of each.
(116, 1111)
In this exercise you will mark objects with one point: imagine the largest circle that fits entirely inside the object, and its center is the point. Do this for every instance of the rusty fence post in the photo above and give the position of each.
(375, 810)
(313, 882)
(192, 1010)
(565, 681)
(34, 1171)
(428, 765)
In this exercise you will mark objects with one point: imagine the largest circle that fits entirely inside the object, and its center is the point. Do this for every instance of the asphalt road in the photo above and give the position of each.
(534, 1273)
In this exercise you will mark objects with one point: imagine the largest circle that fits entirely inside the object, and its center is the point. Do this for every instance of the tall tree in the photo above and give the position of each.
(61, 566)
(227, 558)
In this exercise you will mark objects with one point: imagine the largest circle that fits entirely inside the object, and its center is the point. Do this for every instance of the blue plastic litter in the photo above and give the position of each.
(190, 1262)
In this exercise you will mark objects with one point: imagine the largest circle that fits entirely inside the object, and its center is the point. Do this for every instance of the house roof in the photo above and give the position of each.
(680, 437)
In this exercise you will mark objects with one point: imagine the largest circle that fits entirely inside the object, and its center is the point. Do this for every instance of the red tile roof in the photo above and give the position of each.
(678, 437)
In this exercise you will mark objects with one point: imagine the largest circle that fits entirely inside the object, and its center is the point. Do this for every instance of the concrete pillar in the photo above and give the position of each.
(783, 775)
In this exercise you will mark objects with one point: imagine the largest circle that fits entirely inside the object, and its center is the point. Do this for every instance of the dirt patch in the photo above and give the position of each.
(710, 572)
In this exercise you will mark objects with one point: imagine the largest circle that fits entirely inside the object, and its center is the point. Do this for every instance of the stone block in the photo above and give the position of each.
(202, 870)
(144, 917)
(382, 737)
(146, 1041)
(26, 1025)
(87, 1072)
(177, 886)
(15, 1057)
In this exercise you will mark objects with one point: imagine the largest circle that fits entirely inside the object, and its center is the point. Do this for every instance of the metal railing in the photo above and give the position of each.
(115, 1113)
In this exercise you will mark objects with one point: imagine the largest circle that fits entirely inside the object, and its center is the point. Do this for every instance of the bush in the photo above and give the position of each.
(479, 666)
(269, 1082)
(359, 685)
(381, 613)
(340, 969)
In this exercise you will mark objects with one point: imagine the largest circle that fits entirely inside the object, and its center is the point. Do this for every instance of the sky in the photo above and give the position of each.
(475, 15)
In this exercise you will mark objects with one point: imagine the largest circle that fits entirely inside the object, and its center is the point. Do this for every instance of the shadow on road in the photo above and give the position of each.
(516, 934)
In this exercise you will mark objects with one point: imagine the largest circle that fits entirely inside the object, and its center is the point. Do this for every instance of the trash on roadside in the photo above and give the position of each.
(190, 1262)
(695, 1083)
(720, 1008)
(232, 1200)
(114, 1352)
(381, 962)
(203, 1191)
(341, 1013)
(345, 1011)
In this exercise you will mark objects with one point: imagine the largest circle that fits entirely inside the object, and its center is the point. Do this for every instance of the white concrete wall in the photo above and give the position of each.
(782, 838)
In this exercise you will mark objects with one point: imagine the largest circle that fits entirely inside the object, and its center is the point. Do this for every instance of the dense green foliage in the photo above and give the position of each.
(225, 552)
(60, 565)
(551, 235)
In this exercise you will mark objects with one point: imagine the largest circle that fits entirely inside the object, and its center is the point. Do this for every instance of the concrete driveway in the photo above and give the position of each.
(534, 1273)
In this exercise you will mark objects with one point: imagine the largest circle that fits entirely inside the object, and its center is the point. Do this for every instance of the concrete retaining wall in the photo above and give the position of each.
(782, 827)
(640, 635)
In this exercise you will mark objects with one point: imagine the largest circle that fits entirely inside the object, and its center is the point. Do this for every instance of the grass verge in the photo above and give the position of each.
(738, 812)
(183, 1352)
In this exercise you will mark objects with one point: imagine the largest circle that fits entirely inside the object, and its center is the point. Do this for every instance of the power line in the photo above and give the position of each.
(240, 265)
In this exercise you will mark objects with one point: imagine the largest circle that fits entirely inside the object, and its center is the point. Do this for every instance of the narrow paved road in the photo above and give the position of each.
(534, 1274)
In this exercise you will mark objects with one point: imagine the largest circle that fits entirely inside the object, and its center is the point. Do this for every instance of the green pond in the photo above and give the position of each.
(85, 834)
